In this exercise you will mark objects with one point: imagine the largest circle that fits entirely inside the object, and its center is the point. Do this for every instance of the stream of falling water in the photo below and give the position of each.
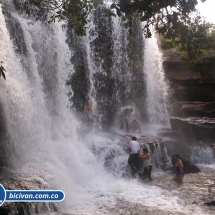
(44, 141)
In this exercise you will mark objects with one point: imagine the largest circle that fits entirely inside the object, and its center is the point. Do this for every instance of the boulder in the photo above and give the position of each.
(190, 84)
(212, 203)
(197, 109)
(197, 128)
(19, 183)
(189, 167)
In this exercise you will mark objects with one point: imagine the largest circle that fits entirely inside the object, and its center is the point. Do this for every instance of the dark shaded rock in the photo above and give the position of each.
(197, 109)
(168, 166)
(212, 203)
(176, 69)
(190, 84)
(27, 208)
(189, 167)
(198, 128)
(212, 145)
(4, 139)
(193, 90)
(193, 85)
(206, 68)
(170, 145)
(167, 133)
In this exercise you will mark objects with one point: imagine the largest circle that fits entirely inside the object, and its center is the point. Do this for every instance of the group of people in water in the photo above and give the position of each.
(127, 121)
(135, 156)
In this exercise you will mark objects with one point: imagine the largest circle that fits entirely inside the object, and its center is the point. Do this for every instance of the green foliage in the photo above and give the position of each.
(75, 12)
(2, 70)
(157, 12)
(176, 20)
(191, 39)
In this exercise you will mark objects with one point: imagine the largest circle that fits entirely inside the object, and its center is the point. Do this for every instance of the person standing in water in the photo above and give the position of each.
(133, 160)
(179, 171)
(124, 118)
(135, 126)
(147, 163)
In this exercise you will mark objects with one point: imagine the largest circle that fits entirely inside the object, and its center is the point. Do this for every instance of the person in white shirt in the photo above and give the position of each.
(133, 160)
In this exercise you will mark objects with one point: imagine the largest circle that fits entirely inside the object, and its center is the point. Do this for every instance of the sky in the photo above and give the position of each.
(207, 9)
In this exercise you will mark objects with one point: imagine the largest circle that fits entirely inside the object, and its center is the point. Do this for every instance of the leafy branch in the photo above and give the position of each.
(176, 20)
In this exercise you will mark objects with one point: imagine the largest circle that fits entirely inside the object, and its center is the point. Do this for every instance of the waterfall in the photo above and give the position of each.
(202, 154)
(42, 102)
(112, 57)
(157, 88)
(40, 126)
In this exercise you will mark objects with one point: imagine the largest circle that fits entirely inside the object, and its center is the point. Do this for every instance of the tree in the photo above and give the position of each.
(76, 12)
(192, 40)
(176, 20)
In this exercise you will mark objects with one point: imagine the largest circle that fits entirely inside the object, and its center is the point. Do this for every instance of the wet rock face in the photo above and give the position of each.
(20, 208)
(193, 97)
(191, 84)
(197, 128)
(188, 84)
(4, 139)
(197, 109)
(192, 89)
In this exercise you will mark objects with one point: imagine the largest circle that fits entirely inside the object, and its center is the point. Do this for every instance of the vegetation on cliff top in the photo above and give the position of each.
(191, 48)
(177, 20)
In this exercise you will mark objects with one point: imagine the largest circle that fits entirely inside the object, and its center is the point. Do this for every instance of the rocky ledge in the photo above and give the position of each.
(14, 182)
(198, 128)
(194, 109)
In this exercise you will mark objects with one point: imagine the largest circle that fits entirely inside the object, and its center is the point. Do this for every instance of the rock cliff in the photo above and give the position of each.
(192, 95)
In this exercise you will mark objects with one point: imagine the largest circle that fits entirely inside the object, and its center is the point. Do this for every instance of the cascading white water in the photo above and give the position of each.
(120, 39)
(202, 154)
(44, 137)
(92, 69)
(157, 88)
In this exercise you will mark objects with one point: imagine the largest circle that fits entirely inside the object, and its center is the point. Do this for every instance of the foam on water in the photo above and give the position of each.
(202, 154)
